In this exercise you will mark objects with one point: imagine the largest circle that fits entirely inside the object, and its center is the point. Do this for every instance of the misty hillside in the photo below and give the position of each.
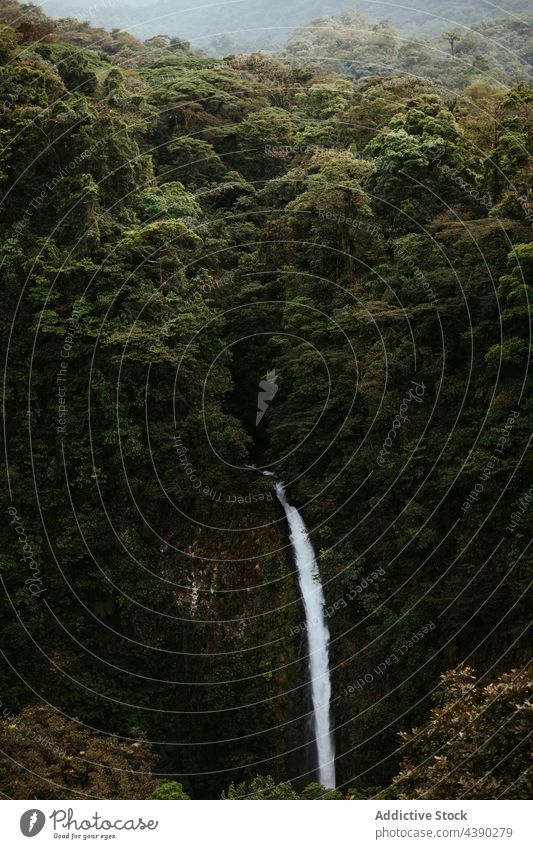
(353, 46)
(266, 23)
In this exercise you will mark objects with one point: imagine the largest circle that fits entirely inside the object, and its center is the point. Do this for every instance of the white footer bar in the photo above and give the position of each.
(268, 825)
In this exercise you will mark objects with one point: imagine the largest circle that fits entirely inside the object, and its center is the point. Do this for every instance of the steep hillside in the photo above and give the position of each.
(175, 229)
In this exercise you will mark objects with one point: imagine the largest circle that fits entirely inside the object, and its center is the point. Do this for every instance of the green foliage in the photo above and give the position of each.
(170, 790)
(355, 47)
(75, 73)
(476, 743)
(48, 754)
(316, 791)
(422, 163)
(263, 788)
(170, 200)
(186, 226)
(515, 293)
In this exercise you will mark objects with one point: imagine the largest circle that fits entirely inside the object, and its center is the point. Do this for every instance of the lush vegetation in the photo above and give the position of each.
(355, 47)
(475, 744)
(173, 228)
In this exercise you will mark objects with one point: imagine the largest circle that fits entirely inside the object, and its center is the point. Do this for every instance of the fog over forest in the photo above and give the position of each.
(263, 24)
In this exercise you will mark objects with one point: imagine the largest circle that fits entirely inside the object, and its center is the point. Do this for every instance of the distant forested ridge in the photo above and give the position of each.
(174, 227)
(258, 24)
(353, 46)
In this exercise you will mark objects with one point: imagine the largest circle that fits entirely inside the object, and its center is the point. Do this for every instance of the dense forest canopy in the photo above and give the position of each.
(353, 46)
(174, 228)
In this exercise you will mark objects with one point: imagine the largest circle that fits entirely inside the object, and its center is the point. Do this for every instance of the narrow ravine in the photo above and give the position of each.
(317, 637)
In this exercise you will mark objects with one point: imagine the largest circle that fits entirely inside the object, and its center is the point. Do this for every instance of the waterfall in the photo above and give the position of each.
(317, 637)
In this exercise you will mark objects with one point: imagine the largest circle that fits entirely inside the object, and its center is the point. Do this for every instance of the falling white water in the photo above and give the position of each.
(317, 635)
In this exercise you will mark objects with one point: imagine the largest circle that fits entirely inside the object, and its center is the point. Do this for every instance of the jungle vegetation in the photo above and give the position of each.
(174, 226)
